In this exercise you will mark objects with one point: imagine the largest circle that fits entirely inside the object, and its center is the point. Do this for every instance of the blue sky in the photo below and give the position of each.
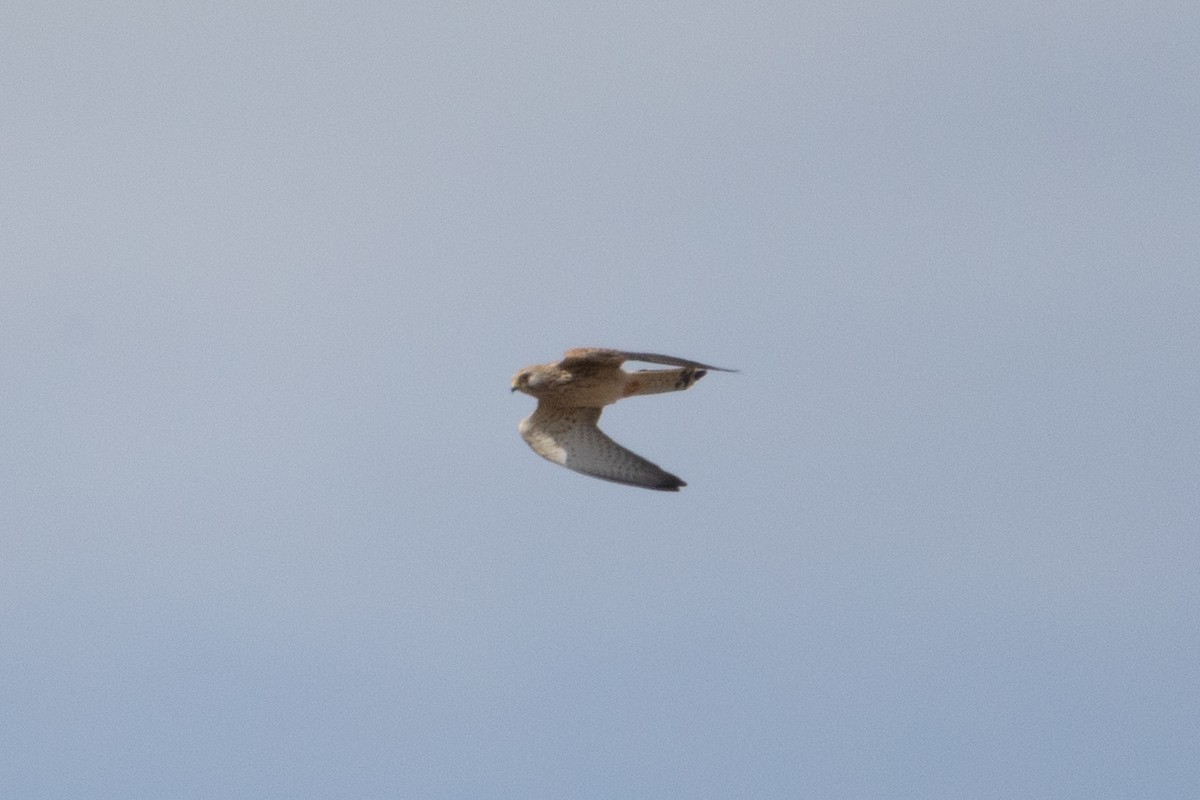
(267, 527)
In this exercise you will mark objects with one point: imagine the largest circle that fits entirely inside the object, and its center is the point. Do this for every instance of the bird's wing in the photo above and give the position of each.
(567, 435)
(602, 356)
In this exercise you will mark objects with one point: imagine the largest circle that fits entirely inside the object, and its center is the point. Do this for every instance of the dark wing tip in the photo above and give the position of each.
(669, 484)
(606, 355)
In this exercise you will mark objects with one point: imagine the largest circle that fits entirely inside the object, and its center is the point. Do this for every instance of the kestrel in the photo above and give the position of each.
(571, 395)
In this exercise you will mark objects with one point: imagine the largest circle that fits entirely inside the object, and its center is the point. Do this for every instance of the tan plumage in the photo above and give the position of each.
(571, 394)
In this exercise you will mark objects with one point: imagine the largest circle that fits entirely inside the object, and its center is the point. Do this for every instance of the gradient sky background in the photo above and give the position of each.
(267, 528)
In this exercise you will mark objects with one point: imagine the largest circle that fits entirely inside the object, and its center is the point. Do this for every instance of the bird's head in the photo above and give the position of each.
(532, 380)
(520, 381)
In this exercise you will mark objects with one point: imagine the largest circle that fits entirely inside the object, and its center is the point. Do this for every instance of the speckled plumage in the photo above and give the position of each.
(571, 394)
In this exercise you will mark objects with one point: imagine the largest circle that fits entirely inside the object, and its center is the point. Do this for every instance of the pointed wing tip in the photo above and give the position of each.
(606, 355)
(671, 484)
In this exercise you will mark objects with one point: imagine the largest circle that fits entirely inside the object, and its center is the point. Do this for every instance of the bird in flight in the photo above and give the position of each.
(571, 394)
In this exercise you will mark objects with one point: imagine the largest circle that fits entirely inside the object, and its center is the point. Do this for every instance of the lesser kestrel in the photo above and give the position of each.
(571, 395)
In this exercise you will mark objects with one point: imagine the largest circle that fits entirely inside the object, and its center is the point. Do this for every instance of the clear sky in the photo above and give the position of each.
(267, 528)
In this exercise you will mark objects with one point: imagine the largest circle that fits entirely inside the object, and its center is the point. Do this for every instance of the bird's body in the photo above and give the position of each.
(571, 394)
